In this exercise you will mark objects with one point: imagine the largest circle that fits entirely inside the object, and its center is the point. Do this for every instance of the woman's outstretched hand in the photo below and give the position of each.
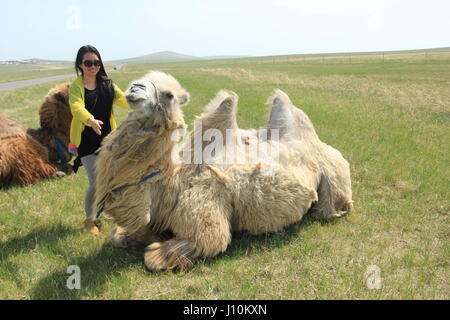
(96, 125)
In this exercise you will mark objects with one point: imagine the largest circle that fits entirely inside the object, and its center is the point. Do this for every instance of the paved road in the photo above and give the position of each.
(25, 83)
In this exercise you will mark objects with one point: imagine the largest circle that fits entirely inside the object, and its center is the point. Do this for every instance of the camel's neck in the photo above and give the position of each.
(41, 136)
(146, 147)
(35, 133)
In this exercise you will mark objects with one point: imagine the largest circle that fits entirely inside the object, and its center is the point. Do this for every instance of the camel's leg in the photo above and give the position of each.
(334, 201)
(335, 190)
(202, 229)
(180, 253)
(119, 237)
(170, 254)
(128, 210)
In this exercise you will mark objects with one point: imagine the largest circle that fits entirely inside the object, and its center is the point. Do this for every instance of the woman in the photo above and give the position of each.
(91, 97)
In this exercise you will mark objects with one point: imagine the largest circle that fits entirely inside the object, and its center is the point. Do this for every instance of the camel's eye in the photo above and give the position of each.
(139, 85)
(169, 96)
(60, 97)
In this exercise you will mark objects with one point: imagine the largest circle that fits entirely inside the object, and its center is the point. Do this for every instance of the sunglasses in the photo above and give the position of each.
(90, 63)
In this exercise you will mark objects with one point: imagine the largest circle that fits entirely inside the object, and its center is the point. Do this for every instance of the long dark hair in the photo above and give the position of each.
(104, 83)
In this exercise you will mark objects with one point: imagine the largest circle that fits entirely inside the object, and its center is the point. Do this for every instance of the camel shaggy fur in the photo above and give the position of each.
(29, 155)
(203, 202)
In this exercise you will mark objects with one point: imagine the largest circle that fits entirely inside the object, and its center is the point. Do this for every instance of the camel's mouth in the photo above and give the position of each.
(138, 95)
(136, 103)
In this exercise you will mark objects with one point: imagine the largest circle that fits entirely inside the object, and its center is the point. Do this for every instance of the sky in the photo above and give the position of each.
(55, 30)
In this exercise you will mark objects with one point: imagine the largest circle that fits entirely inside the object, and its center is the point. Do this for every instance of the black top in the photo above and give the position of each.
(101, 110)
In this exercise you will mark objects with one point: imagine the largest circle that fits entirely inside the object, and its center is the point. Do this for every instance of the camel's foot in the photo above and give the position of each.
(336, 214)
(169, 255)
(59, 174)
(64, 168)
(119, 237)
(346, 208)
(332, 214)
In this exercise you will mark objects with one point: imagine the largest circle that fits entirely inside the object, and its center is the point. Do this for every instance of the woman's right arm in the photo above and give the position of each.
(77, 106)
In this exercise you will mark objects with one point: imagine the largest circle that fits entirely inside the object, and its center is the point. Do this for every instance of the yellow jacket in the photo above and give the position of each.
(81, 115)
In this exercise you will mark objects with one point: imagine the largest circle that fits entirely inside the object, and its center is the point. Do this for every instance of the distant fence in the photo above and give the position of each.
(376, 57)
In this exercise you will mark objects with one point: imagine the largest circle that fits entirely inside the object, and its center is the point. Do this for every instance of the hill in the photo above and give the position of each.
(224, 57)
(158, 57)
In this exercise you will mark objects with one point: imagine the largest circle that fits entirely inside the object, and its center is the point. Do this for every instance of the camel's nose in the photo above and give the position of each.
(137, 91)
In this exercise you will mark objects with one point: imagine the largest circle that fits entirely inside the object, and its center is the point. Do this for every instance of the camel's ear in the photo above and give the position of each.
(184, 98)
(61, 98)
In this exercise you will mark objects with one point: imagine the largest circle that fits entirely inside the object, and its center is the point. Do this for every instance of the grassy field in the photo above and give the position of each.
(32, 71)
(43, 69)
(391, 121)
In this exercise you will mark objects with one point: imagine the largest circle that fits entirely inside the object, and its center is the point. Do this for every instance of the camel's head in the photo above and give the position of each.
(159, 96)
(54, 114)
(55, 118)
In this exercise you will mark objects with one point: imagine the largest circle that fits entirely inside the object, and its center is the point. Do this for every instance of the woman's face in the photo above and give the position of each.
(92, 69)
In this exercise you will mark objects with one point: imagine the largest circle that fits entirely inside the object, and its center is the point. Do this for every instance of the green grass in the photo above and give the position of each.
(390, 120)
